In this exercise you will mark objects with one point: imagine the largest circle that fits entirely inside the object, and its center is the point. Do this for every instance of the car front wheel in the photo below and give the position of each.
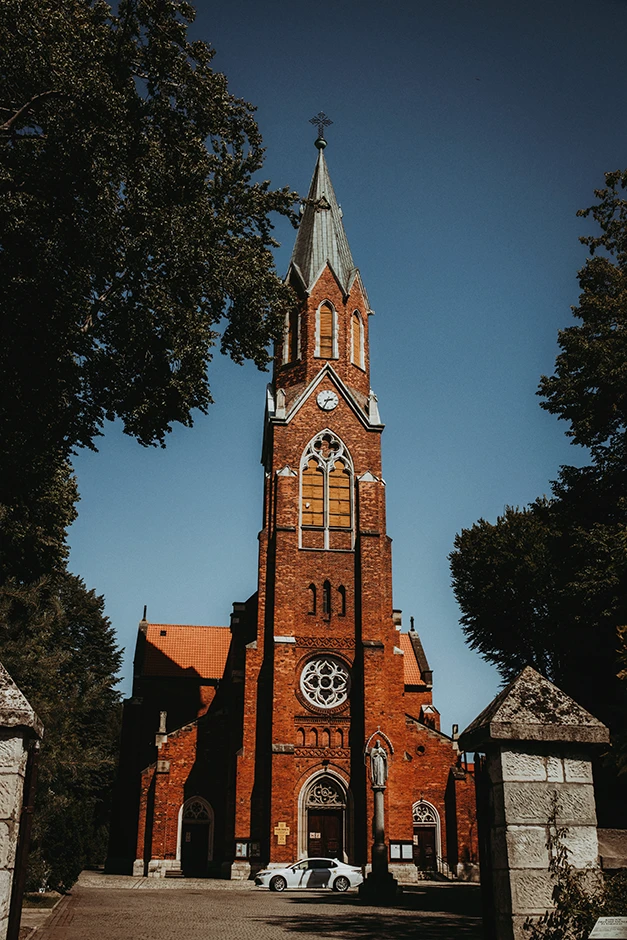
(278, 883)
(341, 884)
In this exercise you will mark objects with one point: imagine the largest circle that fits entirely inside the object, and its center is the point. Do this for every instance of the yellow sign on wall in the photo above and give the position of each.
(282, 831)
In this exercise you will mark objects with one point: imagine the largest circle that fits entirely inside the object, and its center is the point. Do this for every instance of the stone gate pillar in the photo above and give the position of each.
(538, 745)
(19, 729)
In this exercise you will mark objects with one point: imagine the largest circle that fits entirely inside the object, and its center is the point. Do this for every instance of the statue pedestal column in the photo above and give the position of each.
(380, 887)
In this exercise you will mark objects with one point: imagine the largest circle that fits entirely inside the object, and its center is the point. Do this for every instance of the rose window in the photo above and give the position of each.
(325, 682)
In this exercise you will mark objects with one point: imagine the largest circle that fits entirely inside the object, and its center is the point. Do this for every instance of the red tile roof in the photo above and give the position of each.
(412, 672)
(175, 649)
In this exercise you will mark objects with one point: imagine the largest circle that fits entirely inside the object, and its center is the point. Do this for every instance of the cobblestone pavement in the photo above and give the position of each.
(99, 907)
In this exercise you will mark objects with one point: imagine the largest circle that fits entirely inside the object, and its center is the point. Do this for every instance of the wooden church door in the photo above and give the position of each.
(325, 834)
(426, 836)
(195, 836)
(424, 848)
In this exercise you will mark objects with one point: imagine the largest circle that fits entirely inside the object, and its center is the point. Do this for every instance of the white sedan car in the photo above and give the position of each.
(311, 873)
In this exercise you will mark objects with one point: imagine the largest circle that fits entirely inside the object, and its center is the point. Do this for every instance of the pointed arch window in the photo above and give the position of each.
(357, 340)
(313, 494)
(326, 497)
(326, 338)
(291, 338)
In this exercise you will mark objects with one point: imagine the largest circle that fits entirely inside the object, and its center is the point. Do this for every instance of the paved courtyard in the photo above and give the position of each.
(120, 908)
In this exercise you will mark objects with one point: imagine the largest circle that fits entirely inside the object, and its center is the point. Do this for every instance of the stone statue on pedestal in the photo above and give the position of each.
(379, 887)
(378, 765)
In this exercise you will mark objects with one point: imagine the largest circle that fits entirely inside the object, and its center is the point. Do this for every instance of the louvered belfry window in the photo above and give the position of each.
(357, 340)
(326, 330)
(326, 516)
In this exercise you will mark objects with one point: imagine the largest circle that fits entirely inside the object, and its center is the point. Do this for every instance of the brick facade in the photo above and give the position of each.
(265, 760)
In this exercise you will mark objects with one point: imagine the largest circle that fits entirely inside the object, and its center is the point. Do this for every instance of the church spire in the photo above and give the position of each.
(321, 238)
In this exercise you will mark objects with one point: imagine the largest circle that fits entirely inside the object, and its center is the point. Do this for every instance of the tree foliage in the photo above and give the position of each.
(546, 584)
(61, 651)
(589, 387)
(33, 522)
(134, 235)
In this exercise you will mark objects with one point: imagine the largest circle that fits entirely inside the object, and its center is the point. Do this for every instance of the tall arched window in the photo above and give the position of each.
(313, 494)
(291, 337)
(339, 496)
(357, 340)
(342, 595)
(312, 598)
(326, 504)
(326, 339)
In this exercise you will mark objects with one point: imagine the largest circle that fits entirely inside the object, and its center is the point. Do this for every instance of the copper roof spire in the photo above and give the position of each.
(321, 238)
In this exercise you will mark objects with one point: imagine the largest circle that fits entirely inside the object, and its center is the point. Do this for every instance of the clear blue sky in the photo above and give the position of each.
(466, 135)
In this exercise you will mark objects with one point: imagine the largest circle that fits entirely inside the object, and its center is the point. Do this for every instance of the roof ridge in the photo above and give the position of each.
(198, 626)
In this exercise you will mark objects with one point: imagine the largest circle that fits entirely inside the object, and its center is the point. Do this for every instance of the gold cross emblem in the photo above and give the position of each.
(282, 831)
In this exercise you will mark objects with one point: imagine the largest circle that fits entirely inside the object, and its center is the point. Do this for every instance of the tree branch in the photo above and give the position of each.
(92, 315)
(6, 127)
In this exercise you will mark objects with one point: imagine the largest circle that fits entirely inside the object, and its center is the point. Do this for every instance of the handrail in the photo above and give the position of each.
(444, 868)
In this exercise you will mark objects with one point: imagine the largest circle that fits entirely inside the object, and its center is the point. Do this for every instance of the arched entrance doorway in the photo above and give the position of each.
(427, 836)
(323, 818)
(196, 836)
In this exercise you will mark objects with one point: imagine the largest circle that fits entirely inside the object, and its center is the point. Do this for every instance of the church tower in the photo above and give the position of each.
(325, 672)
(244, 746)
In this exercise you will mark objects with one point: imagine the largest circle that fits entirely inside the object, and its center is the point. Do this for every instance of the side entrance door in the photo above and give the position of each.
(424, 848)
(195, 848)
(324, 836)
(195, 838)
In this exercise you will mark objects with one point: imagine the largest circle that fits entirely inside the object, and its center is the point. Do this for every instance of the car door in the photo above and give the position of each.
(319, 874)
(296, 875)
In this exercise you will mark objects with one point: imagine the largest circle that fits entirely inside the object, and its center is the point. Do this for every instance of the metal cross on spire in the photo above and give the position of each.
(322, 121)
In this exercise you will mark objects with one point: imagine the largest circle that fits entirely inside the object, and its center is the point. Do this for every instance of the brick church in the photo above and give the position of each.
(244, 746)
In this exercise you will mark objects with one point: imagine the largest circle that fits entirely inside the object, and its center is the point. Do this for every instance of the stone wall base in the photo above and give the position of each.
(240, 870)
(406, 874)
(157, 867)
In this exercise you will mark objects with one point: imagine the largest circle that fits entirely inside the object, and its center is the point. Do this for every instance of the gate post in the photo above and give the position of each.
(538, 745)
(20, 728)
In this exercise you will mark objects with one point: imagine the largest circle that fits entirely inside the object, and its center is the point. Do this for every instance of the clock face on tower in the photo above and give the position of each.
(327, 400)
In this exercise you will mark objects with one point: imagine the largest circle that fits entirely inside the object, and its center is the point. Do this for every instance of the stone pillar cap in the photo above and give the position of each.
(533, 709)
(15, 710)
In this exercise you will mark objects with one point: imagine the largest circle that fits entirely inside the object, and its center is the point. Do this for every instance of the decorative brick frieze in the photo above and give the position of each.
(325, 642)
(328, 753)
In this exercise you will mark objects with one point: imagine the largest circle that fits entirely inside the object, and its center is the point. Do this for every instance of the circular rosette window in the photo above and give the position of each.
(325, 682)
